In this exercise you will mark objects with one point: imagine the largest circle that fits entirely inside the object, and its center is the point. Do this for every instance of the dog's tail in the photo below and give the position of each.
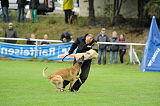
(48, 77)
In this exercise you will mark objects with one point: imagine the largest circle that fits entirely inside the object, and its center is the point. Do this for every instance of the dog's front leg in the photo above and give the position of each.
(71, 82)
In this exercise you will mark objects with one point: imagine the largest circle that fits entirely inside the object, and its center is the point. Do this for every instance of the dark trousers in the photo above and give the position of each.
(78, 3)
(85, 68)
(5, 14)
(20, 14)
(121, 54)
(68, 14)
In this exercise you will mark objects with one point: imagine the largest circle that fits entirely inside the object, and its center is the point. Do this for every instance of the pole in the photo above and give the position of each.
(36, 49)
(131, 53)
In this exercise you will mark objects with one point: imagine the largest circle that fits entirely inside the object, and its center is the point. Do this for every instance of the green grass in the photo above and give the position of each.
(21, 84)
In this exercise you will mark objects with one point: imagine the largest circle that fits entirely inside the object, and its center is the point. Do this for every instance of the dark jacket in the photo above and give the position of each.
(34, 4)
(101, 38)
(122, 47)
(29, 42)
(82, 46)
(45, 43)
(114, 48)
(66, 35)
(10, 33)
(4, 3)
(21, 3)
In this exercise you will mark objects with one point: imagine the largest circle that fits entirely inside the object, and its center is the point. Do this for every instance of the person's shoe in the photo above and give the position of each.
(61, 90)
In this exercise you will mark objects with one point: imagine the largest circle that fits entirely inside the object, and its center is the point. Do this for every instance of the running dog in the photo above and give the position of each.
(57, 77)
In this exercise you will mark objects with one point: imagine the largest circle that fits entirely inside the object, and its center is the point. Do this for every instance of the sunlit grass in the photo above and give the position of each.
(22, 84)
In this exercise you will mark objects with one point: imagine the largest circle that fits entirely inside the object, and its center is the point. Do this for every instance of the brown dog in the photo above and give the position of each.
(57, 77)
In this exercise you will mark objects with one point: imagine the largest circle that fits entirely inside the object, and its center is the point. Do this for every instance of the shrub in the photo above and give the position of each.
(153, 8)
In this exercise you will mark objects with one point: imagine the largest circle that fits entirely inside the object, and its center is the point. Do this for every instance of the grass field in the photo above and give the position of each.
(22, 84)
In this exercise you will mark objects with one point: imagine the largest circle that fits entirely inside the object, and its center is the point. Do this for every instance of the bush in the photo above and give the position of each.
(153, 8)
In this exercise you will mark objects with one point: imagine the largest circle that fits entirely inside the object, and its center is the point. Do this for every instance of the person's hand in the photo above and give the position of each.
(67, 54)
(64, 40)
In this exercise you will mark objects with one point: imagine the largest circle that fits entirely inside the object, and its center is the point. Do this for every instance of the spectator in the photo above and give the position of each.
(102, 37)
(67, 7)
(122, 48)
(45, 38)
(5, 5)
(83, 44)
(113, 48)
(29, 42)
(10, 33)
(33, 8)
(21, 6)
(66, 37)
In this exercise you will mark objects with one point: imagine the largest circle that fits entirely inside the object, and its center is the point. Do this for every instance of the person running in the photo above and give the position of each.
(82, 44)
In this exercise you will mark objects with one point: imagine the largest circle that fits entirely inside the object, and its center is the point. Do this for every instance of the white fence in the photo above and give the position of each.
(132, 52)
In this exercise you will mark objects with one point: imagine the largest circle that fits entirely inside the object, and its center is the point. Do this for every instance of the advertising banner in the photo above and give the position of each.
(50, 52)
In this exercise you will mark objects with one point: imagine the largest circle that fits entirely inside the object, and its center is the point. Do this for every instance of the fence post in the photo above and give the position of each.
(36, 49)
(131, 53)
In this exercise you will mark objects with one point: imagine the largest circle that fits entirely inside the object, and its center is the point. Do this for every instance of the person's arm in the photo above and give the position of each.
(95, 47)
(107, 40)
(69, 38)
(15, 34)
(64, 3)
(5, 34)
(38, 3)
(97, 38)
(61, 38)
(74, 46)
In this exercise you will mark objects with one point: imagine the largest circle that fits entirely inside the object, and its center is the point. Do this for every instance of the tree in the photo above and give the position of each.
(141, 4)
(116, 9)
(91, 12)
(113, 11)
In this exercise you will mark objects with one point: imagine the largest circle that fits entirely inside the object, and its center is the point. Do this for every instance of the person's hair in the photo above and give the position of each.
(33, 34)
(45, 34)
(90, 35)
(103, 29)
(114, 32)
(123, 36)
